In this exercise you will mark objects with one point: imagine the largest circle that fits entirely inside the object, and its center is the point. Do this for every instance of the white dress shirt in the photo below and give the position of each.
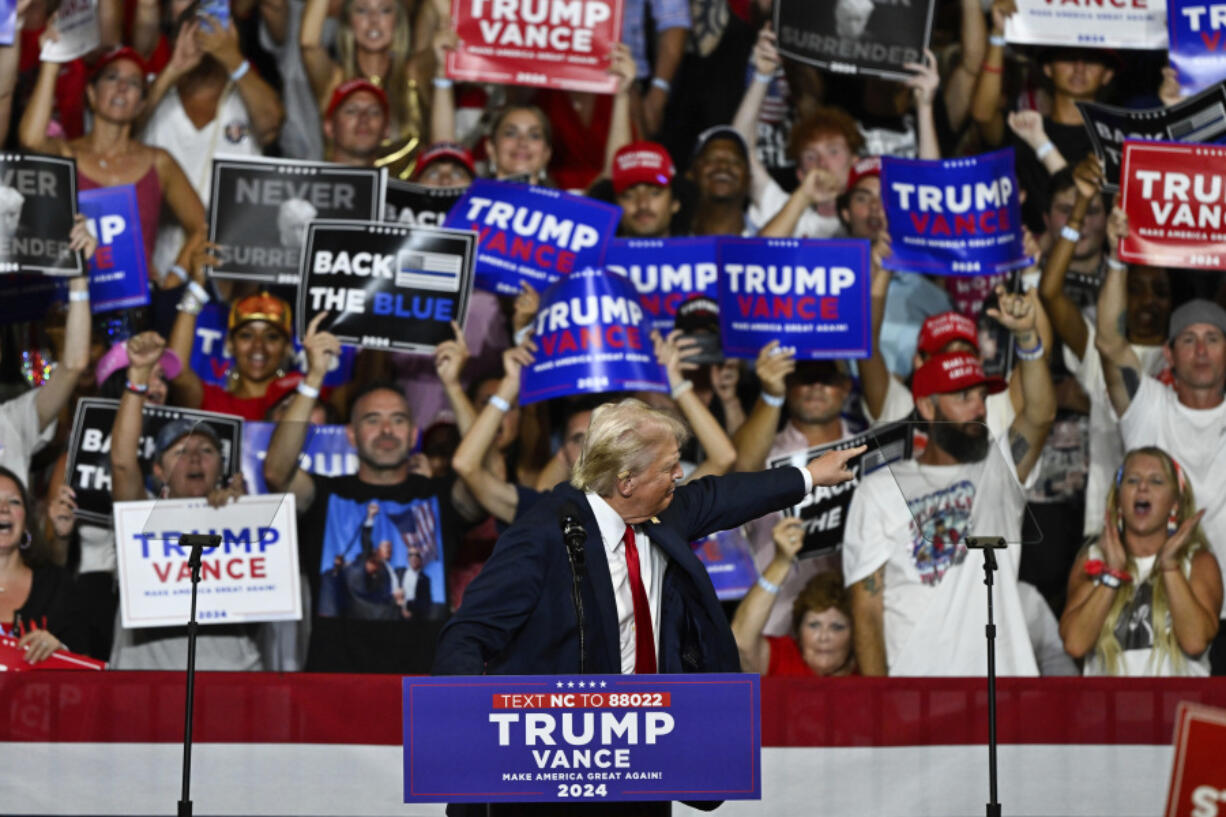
(652, 562)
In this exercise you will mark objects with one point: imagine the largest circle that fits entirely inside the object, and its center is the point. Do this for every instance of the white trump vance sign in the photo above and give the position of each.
(251, 576)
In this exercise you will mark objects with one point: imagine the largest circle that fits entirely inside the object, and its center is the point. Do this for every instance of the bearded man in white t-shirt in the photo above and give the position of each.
(916, 590)
(1187, 420)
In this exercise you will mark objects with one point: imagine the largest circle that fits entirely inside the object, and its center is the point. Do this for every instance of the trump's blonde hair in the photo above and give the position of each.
(620, 442)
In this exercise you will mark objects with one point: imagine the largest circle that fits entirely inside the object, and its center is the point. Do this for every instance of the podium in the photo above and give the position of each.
(582, 739)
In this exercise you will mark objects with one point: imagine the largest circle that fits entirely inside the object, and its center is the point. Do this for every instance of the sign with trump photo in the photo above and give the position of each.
(38, 201)
(855, 36)
(260, 208)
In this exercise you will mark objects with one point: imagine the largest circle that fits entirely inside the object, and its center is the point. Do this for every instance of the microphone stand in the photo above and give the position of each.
(989, 545)
(197, 542)
(574, 535)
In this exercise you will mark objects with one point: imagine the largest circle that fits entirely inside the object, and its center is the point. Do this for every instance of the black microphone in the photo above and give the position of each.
(573, 532)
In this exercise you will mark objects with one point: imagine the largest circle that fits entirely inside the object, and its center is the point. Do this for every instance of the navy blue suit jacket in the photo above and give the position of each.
(518, 618)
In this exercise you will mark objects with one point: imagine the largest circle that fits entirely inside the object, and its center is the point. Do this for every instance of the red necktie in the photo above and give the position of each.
(644, 638)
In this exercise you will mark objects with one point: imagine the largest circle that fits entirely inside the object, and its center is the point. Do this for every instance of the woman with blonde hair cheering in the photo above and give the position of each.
(1144, 599)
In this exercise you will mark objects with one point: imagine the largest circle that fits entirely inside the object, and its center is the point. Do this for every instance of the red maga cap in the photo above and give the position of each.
(946, 374)
(642, 163)
(349, 88)
(944, 328)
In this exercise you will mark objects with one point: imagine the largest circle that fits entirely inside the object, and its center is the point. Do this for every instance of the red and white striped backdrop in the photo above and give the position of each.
(273, 744)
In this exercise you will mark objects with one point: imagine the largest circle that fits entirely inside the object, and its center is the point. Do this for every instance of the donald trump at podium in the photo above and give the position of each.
(648, 604)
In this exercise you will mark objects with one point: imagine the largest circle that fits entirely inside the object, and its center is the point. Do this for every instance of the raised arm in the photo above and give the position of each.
(1065, 316)
(262, 102)
(184, 57)
(765, 62)
(1028, 126)
(127, 481)
(1121, 366)
(281, 470)
(985, 100)
(874, 374)
(10, 59)
(475, 458)
(753, 439)
(621, 65)
(959, 85)
(320, 68)
(751, 614)
(187, 388)
(673, 29)
(449, 359)
(55, 394)
(442, 108)
(924, 85)
(1020, 315)
(32, 130)
(275, 16)
(720, 454)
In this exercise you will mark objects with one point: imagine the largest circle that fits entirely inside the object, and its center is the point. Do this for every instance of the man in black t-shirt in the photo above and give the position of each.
(352, 528)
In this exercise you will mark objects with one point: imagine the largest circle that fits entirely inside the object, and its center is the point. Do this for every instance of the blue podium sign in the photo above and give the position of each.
(582, 738)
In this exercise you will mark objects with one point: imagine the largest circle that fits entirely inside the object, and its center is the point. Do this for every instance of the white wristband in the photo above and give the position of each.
(1118, 266)
(772, 401)
(198, 292)
(241, 71)
(661, 83)
(442, 82)
(1042, 150)
(681, 388)
(765, 79)
(768, 586)
(522, 334)
(307, 390)
(78, 295)
(179, 271)
(997, 40)
(1070, 234)
(500, 403)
